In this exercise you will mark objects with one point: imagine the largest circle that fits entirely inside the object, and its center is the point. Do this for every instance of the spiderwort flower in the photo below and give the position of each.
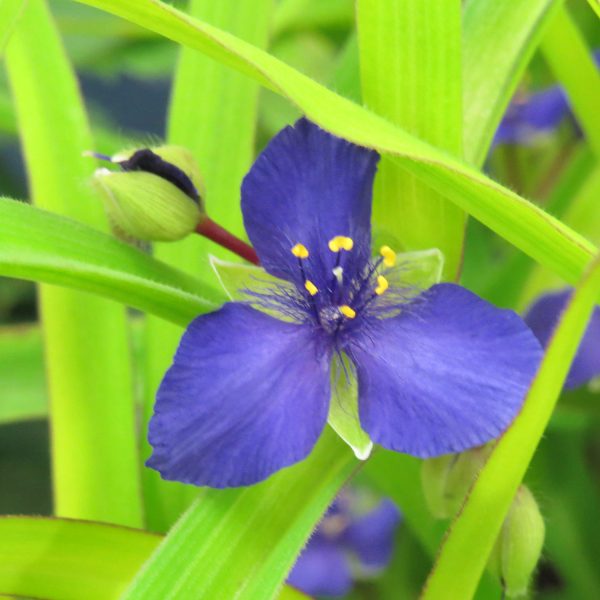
(348, 544)
(248, 393)
(543, 316)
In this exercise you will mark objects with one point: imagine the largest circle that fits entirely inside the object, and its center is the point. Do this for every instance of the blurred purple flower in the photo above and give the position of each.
(538, 113)
(248, 393)
(543, 315)
(346, 546)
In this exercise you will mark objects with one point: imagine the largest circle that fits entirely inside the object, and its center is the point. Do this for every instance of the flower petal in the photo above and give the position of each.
(307, 187)
(543, 316)
(321, 570)
(371, 536)
(246, 396)
(449, 373)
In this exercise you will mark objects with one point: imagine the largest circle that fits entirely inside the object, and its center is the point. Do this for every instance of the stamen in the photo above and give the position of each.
(389, 256)
(300, 251)
(341, 242)
(339, 274)
(348, 312)
(311, 288)
(382, 285)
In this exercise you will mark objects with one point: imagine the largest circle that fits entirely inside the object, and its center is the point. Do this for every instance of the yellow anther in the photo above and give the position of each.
(382, 285)
(311, 288)
(341, 242)
(389, 256)
(348, 312)
(300, 251)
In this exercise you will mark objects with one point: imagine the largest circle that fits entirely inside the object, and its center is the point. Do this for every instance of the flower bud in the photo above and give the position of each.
(519, 544)
(157, 195)
(447, 479)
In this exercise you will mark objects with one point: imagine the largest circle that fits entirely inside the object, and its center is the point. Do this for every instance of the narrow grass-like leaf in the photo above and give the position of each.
(464, 554)
(523, 224)
(41, 246)
(569, 57)
(61, 559)
(499, 40)
(10, 11)
(410, 64)
(94, 450)
(213, 114)
(241, 543)
(21, 375)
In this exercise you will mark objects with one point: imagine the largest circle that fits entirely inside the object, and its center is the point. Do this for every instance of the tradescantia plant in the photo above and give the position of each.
(375, 333)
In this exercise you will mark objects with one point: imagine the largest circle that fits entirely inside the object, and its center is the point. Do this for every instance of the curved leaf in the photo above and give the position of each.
(62, 559)
(523, 224)
(41, 246)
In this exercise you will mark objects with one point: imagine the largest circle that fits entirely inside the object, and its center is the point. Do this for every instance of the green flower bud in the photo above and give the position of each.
(157, 195)
(447, 479)
(519, 544)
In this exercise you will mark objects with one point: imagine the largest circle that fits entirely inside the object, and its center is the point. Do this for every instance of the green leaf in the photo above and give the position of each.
(59, 559)
(499, 40)
(10, 11)
(41, 246)
(415, 81)
(520, 222)
(224, 150)
(21, 375)
(94, 448)
(568, 55)
(463, 555)
(243, 542)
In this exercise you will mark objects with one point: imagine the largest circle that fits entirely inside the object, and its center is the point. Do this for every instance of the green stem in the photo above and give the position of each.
(94, 456)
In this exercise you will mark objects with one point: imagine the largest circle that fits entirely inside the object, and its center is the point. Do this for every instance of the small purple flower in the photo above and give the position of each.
(543, 316)
(346, 545)
(249, 393)
(538, 113)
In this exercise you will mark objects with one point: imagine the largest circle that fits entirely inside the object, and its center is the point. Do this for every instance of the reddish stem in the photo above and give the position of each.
(211, 230)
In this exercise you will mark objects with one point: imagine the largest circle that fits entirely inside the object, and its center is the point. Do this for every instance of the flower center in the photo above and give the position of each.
(341, 299)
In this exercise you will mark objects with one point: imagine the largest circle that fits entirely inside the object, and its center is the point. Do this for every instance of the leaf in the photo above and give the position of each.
(60, 559)
(523, 224)
(94, 448)
(264, 527)
(10, 12)
(41, 246)
(464, 553)
(499, 40)
(415, 81)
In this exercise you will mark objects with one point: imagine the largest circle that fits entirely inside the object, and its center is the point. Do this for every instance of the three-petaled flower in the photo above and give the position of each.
(248, 393)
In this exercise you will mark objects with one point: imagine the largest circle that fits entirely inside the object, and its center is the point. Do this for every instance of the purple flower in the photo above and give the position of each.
(249, 393)
(538, 113)
(346, 545)
(543, 315)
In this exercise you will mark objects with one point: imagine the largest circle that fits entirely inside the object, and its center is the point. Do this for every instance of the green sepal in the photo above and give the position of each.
(343, 408)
